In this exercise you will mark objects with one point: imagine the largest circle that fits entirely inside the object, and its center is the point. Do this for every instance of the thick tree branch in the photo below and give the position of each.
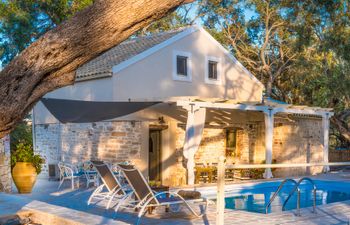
(51, 61)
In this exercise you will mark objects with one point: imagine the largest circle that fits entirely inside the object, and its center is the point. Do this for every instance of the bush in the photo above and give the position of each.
(21, 134)
(25, 153)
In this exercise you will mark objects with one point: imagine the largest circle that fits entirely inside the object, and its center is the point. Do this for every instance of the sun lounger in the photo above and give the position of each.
(111, 189)
(145, 197)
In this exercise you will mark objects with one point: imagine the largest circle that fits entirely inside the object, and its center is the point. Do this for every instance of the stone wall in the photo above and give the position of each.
(296, 140)
(47, 144)
(211, 148)
(74, 143)
(5, 166)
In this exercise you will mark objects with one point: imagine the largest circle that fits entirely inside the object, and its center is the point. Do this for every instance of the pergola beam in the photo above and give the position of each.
(269, 112)
(262, 108)
(216, 105)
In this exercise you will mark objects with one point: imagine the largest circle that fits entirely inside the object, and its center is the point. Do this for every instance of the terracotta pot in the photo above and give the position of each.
(24, 176)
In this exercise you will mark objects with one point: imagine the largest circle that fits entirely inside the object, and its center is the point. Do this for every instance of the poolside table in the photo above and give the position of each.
(206, 170)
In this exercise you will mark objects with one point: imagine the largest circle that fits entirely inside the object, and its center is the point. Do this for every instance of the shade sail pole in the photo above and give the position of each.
(269, 120)
(193, 136)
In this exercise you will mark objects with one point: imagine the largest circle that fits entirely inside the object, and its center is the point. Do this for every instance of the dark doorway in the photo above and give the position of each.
(231, 141)
(154, 155)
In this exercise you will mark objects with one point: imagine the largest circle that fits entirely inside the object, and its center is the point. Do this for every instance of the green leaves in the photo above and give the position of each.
(21, 134)
(22, 146)
(25, 153)
(22, 22)
(300, 48)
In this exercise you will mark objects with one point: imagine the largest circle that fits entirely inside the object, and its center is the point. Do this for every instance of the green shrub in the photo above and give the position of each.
(21, 134)
(25, 153)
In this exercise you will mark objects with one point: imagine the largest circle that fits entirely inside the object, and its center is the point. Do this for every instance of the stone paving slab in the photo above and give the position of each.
(72, 205)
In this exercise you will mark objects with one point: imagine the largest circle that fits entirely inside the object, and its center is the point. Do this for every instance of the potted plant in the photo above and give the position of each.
(25, 167)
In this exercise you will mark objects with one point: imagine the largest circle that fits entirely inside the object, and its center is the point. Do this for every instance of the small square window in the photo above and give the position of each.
(212, 70)
(181, 65)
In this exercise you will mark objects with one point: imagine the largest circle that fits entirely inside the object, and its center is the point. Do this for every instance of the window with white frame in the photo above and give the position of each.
(212, 70)
(182, 66)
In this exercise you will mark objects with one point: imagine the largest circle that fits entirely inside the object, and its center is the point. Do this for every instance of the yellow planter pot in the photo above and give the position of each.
(24, 176)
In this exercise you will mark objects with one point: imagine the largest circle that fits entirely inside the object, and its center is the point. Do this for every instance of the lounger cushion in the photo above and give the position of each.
(74, 174)
(189, 194)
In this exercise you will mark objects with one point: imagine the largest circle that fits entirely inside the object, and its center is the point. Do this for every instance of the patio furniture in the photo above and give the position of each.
(159, 189)
(68, 172)
(90, 174)
(146, 198)
(204, 173)
(229, 174)
(110, 189)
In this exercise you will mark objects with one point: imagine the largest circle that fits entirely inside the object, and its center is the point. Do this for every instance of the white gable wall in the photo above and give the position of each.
(152, 77)
(92, 90)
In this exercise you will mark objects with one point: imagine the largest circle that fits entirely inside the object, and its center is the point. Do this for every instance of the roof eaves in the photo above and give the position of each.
(93, 76)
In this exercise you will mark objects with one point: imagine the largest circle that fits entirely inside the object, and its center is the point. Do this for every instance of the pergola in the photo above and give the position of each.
(196, 111)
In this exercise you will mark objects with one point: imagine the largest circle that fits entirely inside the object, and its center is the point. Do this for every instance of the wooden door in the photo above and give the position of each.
(154, 155)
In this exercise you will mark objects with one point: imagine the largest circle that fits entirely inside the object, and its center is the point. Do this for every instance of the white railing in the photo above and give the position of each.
(282, 165)
(220, 206)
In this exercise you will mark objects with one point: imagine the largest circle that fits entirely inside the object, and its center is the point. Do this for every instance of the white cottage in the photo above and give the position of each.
(171, 103)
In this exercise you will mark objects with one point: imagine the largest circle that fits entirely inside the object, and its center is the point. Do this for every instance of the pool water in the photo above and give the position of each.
(254, 199)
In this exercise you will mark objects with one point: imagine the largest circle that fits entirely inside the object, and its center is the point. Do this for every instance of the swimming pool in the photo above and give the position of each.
(255, 197)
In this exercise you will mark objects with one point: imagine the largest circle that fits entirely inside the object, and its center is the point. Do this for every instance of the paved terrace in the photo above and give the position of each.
(72, 205)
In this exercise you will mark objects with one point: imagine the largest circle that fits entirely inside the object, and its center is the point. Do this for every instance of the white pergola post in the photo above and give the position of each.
(220, 196)
(269, 120)
(325, 126)
(193, 136)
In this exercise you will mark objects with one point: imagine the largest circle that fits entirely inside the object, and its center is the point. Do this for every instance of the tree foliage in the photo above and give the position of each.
(262, 42)
(51, 60)
(298, 49)
(23, 22)
(177, 19)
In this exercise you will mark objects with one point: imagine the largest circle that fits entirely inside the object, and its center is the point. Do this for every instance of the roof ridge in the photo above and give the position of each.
(152, 35)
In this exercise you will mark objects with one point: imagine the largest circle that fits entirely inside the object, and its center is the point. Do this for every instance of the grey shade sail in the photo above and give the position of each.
(76, 111)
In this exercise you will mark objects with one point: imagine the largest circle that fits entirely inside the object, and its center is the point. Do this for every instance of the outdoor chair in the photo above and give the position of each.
(111, 187)
(68, 172)
(90, 174)
(145, 198)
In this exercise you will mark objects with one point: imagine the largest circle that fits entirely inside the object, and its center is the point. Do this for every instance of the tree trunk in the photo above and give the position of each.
(51, 61)
(269, 84)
